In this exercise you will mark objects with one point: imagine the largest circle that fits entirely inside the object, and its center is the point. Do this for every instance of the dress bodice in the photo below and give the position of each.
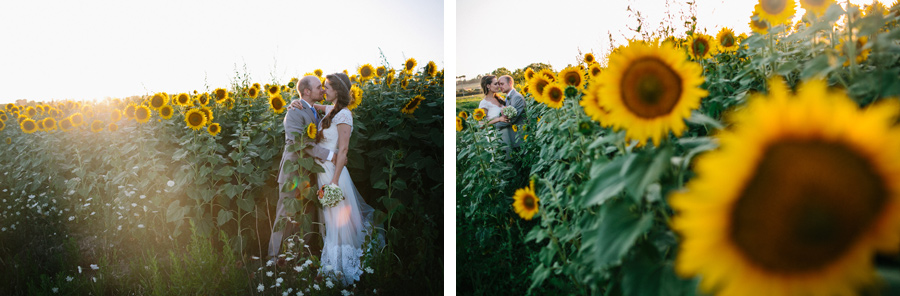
(331, 133)
(492, 110)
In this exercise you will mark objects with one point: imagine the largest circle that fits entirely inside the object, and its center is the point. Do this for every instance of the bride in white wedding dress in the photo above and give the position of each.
(347, 224)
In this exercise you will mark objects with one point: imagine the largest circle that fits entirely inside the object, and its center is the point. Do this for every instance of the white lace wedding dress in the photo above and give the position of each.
(347, 225)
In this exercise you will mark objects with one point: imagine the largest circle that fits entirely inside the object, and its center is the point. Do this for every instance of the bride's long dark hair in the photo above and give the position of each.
(341, 85)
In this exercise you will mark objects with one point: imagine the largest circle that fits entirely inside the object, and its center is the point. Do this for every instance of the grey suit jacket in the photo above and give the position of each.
(296, 120)
(506, 132)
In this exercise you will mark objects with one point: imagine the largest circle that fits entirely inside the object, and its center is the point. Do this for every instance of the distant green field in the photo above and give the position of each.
(467, 103)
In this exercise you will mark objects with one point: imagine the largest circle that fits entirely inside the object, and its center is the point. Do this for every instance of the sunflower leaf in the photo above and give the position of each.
(615, 235)
(224, 216)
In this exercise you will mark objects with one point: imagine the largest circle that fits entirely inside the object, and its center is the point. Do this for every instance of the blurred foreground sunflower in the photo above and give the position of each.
(650, 90)
(817, 7)
(776, 12)
(758, 25)
(811, 193)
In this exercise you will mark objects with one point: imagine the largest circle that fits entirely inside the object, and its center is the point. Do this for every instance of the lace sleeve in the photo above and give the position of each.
(344, 116)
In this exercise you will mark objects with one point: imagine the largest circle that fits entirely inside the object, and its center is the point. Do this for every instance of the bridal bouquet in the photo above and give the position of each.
(509, 111)
(330, 195)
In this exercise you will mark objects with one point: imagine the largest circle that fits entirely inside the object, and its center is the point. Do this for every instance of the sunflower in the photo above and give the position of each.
(3, 117)
(726, 41)
(40, 125)
(77, 119)
(28, 125)
(595, 70)
(276, 103)
(318, 72)
(9, 106)
(572, 76)
(183, 99)
(537, 85)
(413, 104)
(141, 114)
(861, 55)
(166, 112)
(96, 126)
(366, 72)
(404, 84)
(758, 25)
(30, 111)
(228, 103)
(272, 90)
(208, 113)
(430, 69)
(380, 71)
(409, 65)
(526, 202)
(776, 11)
(220, 95)
(459, 124)
(650, 90)
(49, 124)
(389, 79)
(478, 114)
(65, 124)
(195, 119)
(203, 99)
(589, 58)
(812, 192)
(529, 73)
(2, 126)
(547, 73)
(554, 95)
(113, 127)
(214, 129)
(311, 130)
(8, 139)
(116, 115)
(817, 7)
(356, 95)
(463, 114)
(158, 100)
(258, 87)
(701, 46)
(353, 79)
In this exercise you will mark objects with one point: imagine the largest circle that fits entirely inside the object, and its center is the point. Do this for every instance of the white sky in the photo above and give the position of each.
(515, 33)
(95, 49)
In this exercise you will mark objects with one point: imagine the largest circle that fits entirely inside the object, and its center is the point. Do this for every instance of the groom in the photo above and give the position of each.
(513, 98)
(296, 120)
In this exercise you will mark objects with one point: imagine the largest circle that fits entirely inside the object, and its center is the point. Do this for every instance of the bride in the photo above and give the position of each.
(348, 223)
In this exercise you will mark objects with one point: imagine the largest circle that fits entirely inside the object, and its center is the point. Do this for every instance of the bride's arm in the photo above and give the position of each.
(341, 155)
(320, 108)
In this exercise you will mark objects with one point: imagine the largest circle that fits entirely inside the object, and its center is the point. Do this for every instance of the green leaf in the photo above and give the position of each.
(224, 216)
(225, 171)
(702, 119)
(380, 184)
(607, 183)
(176, 212)
(618, 230)
(246, 204)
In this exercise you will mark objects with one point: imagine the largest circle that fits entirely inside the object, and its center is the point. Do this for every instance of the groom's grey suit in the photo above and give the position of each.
(506, 132)
(295, 120)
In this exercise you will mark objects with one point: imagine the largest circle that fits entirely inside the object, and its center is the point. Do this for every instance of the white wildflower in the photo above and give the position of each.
(329, 284)
(140, 225)
(170, 183)
(270, 262)
(79, 269)
(285, 293)
(119, 228)
(55, 290)
(316, 286)
(346, 293)
(71, 218)
(299, 293)
(87, 205)
(142, 196)
(95, 267)
(370, 270)
(133, 205)
(269, 273)
(254, 257)
(260, 288)
(94, 278)
(328, 267)
(297, 268)
(71, 192)
(93, 213)
(69, 278)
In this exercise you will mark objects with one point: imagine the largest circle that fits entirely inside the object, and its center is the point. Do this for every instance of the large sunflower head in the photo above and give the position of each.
(478, 114)
(589, 58)
(28, 125)
(726, 41)
(409, 65)
(158, 100)
(758, 25)
(430, 69)
(701, 46)
(356, 95)
(776, 12)
(572, 76)
(214, 129)
(220, 95)
(529, 73)
(366, 72)
(412, 104)
(166, 112)
(380, 71)
(194, 118)
(547, 73)
(554, 95)
(811, 192)
(650, 90)
(183, 99)
(817, 7)
(96, 126)
(526, 202)
(537, 85)
(311, 130)
(142, 114)
(276, 103)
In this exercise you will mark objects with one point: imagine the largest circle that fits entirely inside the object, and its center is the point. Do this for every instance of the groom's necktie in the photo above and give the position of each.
(315, 114)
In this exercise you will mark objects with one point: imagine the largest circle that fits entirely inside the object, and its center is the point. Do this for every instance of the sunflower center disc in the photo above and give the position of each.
(195, 119)
(528, 201)
(805, 206)
(728, 41)
(650, 88)
(773, 6)
(573, 79)
(700, 47)
(555, 94)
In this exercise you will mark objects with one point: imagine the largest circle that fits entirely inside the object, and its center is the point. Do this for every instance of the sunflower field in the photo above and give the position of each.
(766, 164)
(170, 194)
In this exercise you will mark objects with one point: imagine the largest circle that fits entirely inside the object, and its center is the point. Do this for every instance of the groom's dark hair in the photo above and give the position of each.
(341, 85)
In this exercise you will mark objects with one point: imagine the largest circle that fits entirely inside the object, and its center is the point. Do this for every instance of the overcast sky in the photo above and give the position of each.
(96, 49)
(515, 33)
